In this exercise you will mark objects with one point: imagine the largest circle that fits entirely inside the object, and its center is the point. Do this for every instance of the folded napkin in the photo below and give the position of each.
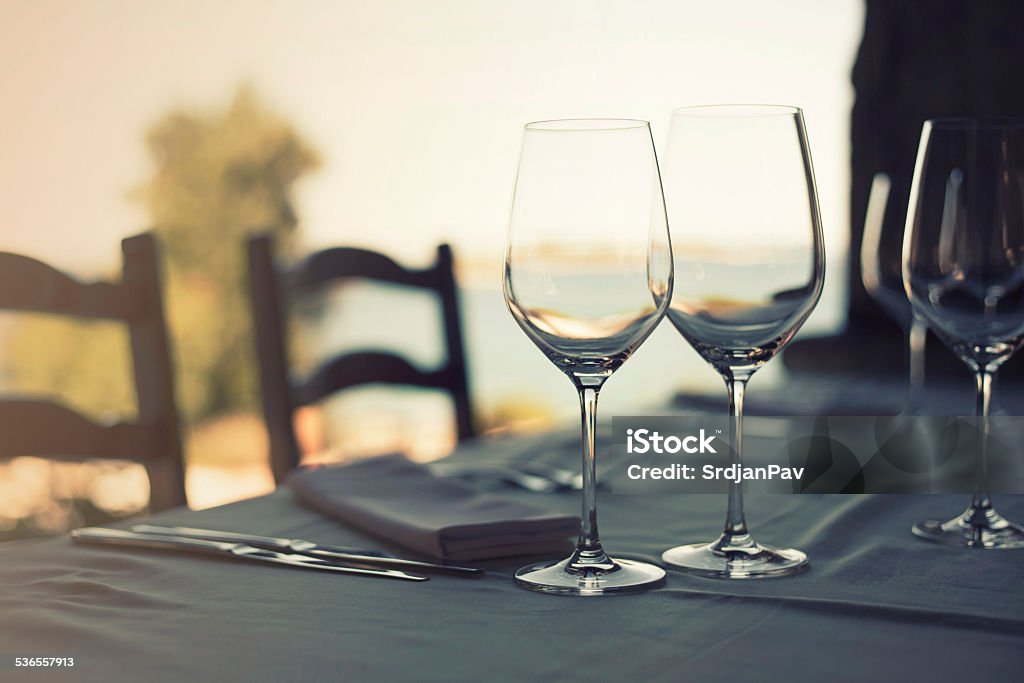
(403, 502)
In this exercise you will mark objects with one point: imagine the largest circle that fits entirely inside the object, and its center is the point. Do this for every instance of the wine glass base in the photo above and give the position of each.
(975, 528)
(620, 576)
(749, 561)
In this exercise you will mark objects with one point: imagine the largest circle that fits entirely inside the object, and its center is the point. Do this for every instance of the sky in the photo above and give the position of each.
(415, 107)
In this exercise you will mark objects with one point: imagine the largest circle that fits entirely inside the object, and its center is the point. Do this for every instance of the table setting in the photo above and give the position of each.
(874, 603)
(492, 559)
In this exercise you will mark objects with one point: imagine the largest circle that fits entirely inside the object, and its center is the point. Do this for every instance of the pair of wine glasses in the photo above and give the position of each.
(591, 269)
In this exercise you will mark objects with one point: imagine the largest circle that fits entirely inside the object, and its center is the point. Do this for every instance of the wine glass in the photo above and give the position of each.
(881, 266)
(749, 268)
(588, 276)
(963, 269)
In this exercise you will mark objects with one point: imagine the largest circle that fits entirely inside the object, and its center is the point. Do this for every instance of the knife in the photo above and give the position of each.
(306, 548)
(241, 551)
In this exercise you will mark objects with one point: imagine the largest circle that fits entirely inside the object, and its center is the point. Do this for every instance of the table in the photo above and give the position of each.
(876, 605)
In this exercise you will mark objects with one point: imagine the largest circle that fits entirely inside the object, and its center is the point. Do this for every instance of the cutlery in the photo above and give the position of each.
(533, 477)
(304, 548)
(241, 551)
(529, 481)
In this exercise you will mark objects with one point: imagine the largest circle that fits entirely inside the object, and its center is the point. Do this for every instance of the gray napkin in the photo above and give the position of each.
(403, 502)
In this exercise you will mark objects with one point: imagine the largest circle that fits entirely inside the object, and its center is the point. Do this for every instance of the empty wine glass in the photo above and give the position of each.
(881, 266)
(963, 269)
(588, 276)
(749, 268)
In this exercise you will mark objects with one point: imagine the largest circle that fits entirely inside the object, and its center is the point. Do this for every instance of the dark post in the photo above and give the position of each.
(272, 352)
(154, 377)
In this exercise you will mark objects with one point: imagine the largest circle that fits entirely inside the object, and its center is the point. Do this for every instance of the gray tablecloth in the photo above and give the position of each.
(876, 605)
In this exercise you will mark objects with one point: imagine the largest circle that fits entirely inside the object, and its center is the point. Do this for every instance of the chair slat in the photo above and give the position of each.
(323, 267)
(360, 368)
(30, 285)
(50, 430)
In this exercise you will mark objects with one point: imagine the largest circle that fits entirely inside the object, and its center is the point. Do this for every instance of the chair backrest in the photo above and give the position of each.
(271, 288)
(30, 427)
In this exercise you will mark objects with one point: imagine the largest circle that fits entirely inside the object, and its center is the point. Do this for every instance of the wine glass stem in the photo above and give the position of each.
(917, 337)
(981, 502)
(735, 523)
(588, 548)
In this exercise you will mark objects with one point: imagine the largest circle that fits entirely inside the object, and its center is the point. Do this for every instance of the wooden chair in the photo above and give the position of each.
(271, 288)
(31, 427)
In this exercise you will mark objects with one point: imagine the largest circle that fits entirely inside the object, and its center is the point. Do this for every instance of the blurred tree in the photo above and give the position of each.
(218, 175)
